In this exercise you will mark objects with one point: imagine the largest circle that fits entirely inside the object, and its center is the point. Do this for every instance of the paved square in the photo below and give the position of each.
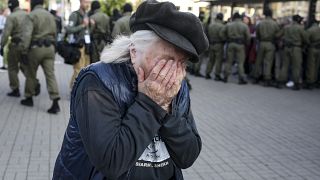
(248, 132)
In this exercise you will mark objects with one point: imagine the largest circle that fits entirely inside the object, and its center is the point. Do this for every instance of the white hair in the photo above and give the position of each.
(119, 50)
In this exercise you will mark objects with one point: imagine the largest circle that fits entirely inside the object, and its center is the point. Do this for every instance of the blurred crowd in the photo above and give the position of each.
(271, 52)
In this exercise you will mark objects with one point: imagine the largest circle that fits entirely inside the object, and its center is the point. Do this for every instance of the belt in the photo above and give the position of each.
(238, 41)
(16, 40)
(216, 42)
(42, 42)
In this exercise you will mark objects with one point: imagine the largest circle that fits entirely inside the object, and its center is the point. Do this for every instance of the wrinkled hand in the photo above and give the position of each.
(163, 83)
(24, 59)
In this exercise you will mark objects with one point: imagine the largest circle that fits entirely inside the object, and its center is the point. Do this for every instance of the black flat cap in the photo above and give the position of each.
(181, 29)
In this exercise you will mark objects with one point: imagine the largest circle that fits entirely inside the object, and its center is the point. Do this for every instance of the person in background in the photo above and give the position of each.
(197, 66)
(100, 31)
(14, 29)
(313, 61)
(115, 16)
(216, 41)
(238, 35)
(294, 37)
(121, 26)
(76, 29)
(251, 47)
(38, 49)
(267, 34)
(2, 24)
(58, 21)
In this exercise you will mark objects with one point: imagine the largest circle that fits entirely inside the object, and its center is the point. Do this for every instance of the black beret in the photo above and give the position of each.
(181, 29)
(95, 5)
(297, 18)
(13, 4)
(127, 7)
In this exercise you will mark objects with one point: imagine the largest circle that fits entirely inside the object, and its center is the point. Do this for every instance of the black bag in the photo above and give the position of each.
(70, 53)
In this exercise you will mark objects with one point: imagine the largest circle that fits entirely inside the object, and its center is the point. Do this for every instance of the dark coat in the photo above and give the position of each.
(112, 151)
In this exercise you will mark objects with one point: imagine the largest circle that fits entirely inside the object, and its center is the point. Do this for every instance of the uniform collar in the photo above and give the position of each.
(16, 9)
(218, 21)
(96, 11)
(38, 7)
(127, 14)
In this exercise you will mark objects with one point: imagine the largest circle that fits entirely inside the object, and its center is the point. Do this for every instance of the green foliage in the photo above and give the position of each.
(107, 6)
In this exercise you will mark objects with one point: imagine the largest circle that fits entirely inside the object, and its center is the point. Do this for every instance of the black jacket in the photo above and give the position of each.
(116, 132)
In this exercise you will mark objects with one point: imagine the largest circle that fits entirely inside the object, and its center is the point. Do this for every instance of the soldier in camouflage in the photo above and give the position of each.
(38, 50)
(100, 31)
(313, 62)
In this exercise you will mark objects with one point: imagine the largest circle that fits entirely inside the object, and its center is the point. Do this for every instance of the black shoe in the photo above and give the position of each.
(309, 86)
(208, 76)
(197, 74)
(27, 102)
(14, 93)
(296, 87)
(278, 85)
(242, 82)
(55, 108)
(267, 83)
(256, 81)
(37, 89)
(218, 78)
(225, 79)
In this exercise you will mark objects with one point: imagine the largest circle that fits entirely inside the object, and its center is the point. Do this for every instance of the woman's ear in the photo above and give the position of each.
(133, 54)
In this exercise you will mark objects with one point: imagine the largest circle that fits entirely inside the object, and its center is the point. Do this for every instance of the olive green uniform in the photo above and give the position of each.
(121, 26)
(237, 34)
(77, 29)
(38, 43)
(216, 39)
(267, 31)
(99, 31)
(294, 38)
(14, 29)
(197, 66)
(313, 62)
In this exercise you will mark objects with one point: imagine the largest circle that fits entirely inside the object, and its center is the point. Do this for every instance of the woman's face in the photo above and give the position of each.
(157, 51)
(246, 20)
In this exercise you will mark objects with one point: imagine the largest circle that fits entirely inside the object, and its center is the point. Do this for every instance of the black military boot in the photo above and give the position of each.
(37, 89)
(208, 76)
(267, 83)
(27, 102)
(255, 81)
(309, 86)
(225, 79)
(217, 78)
(242, 81)
(14, 93)
(296, 87)
(55, 108)
(279, 85)
(198, 74)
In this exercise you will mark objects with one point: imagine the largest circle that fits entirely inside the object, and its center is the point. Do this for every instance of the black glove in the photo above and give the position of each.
(24, 59)
(1, 51)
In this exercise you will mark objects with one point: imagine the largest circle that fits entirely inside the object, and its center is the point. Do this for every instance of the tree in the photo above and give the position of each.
(108, 6)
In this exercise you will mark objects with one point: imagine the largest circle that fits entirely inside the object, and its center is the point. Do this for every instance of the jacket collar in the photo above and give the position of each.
(96, 11)
(38, 7)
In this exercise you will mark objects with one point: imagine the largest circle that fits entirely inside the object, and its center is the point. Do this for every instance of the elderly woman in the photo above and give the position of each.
(130, 114)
